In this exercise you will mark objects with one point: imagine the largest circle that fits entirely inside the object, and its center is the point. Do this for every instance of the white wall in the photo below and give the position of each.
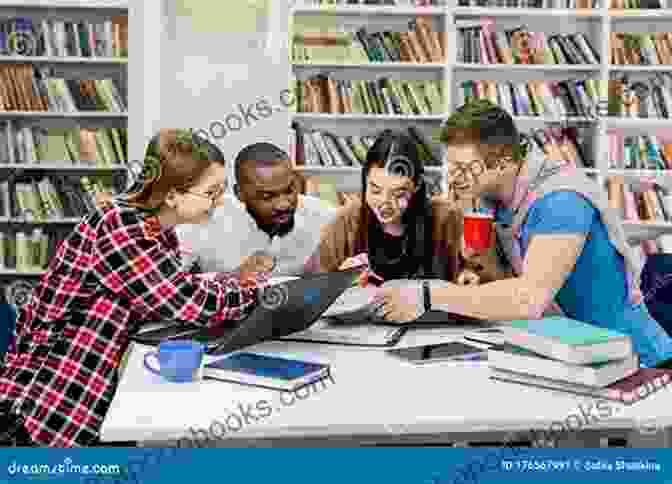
(213, 60)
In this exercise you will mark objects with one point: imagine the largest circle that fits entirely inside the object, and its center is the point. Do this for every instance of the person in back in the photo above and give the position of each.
(118, 268)
(398, 231)
(268, 226)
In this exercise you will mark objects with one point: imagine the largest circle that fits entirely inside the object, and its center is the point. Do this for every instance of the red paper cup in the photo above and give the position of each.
(478, 231)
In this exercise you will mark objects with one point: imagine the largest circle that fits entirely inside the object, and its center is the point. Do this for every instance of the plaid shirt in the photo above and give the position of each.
(116, 269)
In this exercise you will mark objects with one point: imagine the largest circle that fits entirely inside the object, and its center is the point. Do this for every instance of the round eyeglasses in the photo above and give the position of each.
(212, 197)
(473, 168)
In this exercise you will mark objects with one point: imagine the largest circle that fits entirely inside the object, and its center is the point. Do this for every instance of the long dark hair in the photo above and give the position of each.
(398, 153)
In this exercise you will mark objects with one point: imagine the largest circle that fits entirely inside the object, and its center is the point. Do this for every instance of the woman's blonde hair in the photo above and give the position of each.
(175, 159)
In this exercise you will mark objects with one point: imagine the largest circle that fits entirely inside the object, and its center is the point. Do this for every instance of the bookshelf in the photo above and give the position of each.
(95, 65)
(596, 24)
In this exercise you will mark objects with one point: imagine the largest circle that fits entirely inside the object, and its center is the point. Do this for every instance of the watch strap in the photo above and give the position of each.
(426, 295)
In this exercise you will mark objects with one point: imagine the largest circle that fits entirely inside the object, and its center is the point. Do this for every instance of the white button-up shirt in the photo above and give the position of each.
(232, 235)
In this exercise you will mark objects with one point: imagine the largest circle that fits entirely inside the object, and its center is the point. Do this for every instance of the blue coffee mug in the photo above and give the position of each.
(179, 361)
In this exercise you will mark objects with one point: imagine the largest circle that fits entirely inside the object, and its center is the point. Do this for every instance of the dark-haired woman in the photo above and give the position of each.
(567, 248)
(396, 229)
(119, 267)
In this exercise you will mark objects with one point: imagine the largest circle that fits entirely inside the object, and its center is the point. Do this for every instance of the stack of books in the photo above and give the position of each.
(555, 99)
(396, 3)
(650, 202)
(640, 49)
(24, 87)
(562, 354)
(645, 98)
(322, 148)
(27, 144)
(530, 3)
(55, 37)
(480, 43)
(421, 43)
(323, 94)
(25, 252)
(50, 198)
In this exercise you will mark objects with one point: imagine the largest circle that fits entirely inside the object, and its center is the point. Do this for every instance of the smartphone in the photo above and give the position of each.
(453, 351)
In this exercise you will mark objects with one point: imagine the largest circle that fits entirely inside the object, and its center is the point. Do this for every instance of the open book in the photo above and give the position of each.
(355, 306)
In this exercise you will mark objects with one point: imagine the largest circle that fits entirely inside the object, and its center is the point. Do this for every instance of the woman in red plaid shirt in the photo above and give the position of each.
(119, 267)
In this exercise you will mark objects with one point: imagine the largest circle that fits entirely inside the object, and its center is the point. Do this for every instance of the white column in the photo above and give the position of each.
(224, 69)
(146, 31)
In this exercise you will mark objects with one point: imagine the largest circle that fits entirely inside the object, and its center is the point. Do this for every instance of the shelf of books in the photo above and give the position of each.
(63, 119)
(590, 80)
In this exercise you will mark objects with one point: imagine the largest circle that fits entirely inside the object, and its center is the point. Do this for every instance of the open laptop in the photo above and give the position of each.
(302, 302)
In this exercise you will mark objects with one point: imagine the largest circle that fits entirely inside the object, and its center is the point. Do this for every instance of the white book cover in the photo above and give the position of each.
(600, 375)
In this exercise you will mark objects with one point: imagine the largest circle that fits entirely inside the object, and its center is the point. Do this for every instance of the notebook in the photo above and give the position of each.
(354, 306)
(569, 340)
(513, 358)
(645, 382)
(265, 371)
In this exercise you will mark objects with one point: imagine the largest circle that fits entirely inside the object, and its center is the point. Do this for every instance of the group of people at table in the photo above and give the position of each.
(140, 257)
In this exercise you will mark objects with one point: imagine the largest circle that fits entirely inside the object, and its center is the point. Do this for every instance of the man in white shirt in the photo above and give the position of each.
(267, 217)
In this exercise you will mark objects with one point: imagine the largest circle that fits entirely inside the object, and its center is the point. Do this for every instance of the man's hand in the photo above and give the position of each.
(400, 304)
(257, 263)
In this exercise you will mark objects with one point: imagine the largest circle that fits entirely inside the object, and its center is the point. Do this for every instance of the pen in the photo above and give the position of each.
(475, 340)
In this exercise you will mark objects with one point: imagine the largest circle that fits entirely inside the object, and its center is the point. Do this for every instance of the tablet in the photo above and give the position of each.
(452, 351)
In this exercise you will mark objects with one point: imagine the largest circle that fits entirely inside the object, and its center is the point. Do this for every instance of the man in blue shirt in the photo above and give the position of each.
(566, 245)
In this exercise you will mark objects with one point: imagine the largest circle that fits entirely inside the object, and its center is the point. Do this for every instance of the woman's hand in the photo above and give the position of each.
(358, 260)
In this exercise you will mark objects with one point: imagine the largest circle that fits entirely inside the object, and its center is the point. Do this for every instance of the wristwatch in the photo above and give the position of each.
(426, 295)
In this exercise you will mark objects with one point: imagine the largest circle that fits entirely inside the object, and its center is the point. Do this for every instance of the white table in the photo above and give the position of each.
(374, 399)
